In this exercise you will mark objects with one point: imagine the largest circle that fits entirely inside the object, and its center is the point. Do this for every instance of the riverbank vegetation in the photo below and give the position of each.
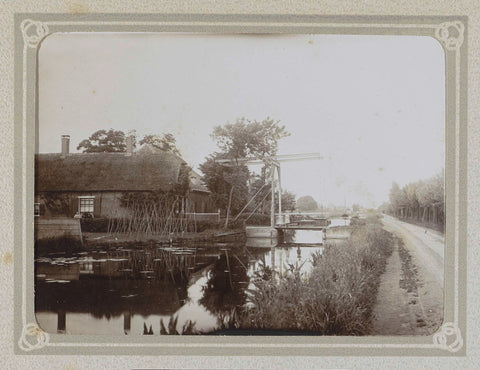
(336, 298)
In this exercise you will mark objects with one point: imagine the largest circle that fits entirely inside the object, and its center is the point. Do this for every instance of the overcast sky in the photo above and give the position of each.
(373, 106)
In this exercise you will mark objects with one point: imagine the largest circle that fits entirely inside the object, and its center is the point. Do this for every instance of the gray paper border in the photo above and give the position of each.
(448, 341)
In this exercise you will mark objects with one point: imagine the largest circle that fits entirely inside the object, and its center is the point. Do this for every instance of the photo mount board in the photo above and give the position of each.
(449, 31)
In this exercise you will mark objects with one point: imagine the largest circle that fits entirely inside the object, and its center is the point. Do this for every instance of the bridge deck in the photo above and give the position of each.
(299, 227)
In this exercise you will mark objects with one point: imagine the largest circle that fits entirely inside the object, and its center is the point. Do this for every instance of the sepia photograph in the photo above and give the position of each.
(239, 184)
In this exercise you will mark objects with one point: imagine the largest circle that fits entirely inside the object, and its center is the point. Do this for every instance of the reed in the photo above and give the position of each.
(171, 329)
(336, 298)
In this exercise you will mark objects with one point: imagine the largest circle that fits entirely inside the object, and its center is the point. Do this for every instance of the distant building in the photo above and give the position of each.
(92, 184)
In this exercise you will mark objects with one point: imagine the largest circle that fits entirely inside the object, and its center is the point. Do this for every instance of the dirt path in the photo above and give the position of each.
(425, 245)
(392, 314)
(410, 296)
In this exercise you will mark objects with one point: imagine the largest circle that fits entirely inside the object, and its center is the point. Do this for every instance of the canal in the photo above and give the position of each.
(130, 291)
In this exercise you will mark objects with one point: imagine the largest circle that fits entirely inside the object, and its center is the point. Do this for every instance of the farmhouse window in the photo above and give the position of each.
(36, 209)
(86, 205)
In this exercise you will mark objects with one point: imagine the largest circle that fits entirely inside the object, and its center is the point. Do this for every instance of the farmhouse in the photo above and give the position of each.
(93, 184)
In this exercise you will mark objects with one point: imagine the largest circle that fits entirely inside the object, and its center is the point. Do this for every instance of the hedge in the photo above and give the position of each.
(94, 225)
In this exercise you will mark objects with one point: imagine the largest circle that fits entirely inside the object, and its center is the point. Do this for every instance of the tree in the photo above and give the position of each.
(306, 204)
(244, 138)
(288, 201)
(104, 141)
(417, 195)
(165, 142)
(431, 191)
(221, 179)
(396, 195)
(411, 195)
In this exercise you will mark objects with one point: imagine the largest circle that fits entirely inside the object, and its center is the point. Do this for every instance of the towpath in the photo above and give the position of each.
(410, 296)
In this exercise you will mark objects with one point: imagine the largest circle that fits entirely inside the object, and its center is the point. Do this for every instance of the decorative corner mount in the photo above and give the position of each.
(451, 34)
(40, 340)
(33, 32)
(441, 339)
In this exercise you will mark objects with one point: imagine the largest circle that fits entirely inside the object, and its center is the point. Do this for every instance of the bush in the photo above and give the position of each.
(356, 221)
(94, 225)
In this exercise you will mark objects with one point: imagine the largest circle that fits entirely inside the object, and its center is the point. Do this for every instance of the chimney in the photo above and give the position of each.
(65, 144)
(129, 143)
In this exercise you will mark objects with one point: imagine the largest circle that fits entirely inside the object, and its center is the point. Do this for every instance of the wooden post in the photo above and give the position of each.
(182, 215)
(61, 321)
(272, 206)
(228, 207)
(279, 195)
(127, 322)
(229, 269)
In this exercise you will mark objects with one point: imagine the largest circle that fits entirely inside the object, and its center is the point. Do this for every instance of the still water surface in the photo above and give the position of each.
(129, 291)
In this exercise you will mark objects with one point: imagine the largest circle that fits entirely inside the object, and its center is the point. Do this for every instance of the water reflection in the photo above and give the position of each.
(128, 291)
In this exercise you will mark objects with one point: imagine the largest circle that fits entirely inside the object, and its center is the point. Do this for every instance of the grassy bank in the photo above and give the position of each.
(336, 298)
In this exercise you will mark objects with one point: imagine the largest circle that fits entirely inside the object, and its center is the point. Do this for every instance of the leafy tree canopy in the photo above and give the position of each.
(165, 142)
(114, 141)
(356, 207)
(429, 192)
(288, 201)
(220, 179)
(306, 204)
(397, 196)
(104, 141)
(246, 138)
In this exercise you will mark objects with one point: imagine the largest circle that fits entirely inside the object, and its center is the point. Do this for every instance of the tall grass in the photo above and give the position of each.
(336, 298)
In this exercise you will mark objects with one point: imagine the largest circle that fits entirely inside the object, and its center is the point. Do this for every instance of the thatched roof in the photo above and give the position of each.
(109, 172)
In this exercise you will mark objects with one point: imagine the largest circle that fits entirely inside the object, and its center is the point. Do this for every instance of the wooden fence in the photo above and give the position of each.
(206, 217)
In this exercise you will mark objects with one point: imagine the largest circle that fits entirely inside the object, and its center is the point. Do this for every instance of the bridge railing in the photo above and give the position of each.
(298, 218)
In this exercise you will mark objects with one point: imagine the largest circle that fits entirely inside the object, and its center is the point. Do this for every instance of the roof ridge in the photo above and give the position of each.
(108, 171)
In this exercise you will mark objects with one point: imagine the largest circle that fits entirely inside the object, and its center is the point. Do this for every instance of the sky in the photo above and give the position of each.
(372, 106)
